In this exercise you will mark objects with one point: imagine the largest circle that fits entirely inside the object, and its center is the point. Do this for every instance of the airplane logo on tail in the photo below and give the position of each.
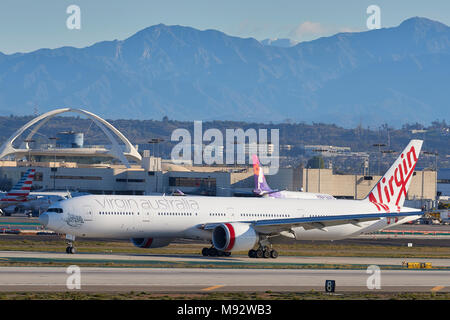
(392, 188)
(21, 190)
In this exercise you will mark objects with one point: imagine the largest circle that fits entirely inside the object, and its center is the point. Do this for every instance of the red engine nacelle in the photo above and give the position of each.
(151, 242)
(234, 237)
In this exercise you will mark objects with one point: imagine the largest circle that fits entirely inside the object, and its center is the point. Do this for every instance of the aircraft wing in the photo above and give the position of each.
(274, 226)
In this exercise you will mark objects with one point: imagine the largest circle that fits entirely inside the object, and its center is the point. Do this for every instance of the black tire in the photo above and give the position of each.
(72, 250)
(274, 254)
(252, 253)
(259, 253)
(266, 254)
(212, 252)
(227, 254)
(67, 250)
(205, 252)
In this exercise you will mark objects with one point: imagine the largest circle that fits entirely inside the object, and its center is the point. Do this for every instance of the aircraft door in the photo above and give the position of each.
(145, 216)
(88, 213)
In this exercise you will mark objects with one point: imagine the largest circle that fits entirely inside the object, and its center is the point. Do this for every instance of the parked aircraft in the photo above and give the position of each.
(19, 193)
(39, 201)
(263, 189)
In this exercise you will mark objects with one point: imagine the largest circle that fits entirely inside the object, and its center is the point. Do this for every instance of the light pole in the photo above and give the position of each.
(155, 141)
(384, 152)
(379, 145)
(53, 169)
(435, 154)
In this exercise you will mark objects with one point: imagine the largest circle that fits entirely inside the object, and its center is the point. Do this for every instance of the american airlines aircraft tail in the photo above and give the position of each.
(20, 191)
(235, 224)
(390, 191)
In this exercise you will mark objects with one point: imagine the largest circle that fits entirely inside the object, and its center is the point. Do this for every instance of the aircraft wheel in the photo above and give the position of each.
(227, 254)
(205, 252)
(259, 253)
(70, 250)
(274, 254)
(252, 253)
(266, 254)
(212, 252)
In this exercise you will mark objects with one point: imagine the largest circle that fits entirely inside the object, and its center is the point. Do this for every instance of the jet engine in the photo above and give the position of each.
(234, 237)
(151, 242)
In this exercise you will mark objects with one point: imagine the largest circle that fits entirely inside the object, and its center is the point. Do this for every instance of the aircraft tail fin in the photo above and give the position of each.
(22, 188)
(391, 189)
(261, 186)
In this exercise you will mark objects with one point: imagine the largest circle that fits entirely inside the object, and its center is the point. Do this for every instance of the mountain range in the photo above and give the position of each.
(386, 76)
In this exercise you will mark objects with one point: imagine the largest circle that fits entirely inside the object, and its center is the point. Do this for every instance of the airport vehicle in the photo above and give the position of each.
(263, 189)
(445, 216)
(19, 193)
(236, 224)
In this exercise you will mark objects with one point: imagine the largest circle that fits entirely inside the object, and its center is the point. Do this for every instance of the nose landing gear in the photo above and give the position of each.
(70, 241)
(70, 249)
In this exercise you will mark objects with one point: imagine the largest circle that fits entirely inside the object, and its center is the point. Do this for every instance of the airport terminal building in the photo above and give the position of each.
(119, 168)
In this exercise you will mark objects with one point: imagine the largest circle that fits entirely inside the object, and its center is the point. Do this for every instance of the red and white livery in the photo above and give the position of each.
(237, 224)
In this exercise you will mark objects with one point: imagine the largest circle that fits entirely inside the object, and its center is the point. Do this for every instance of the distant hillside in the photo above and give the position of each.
(296, 134)
(392, 75)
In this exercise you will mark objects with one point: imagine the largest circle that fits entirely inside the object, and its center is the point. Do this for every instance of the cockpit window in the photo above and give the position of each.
(57, 210)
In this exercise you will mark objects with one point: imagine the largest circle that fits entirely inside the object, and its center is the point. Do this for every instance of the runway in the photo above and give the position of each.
(235, 273)
(234, 260)
(210, 280)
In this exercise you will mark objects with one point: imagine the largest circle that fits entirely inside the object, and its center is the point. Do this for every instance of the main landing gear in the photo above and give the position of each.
(213, 252)
(70, 240)
(263, 252)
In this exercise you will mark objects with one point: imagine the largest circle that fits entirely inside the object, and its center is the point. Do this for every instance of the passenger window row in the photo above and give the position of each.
(117, 213)
(265, 215)
(174, 214)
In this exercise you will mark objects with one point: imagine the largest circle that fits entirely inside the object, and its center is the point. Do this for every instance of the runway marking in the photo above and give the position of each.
(437, 288)
(213, 287)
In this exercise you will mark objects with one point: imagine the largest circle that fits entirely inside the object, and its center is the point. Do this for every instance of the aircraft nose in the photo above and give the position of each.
(43, 219)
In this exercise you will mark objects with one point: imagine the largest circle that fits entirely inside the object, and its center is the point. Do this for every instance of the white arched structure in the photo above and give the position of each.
(116, 151)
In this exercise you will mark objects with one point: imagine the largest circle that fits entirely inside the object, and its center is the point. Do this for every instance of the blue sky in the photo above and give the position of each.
(27, 25)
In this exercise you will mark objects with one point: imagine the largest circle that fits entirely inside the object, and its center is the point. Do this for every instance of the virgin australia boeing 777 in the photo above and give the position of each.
(236, 224)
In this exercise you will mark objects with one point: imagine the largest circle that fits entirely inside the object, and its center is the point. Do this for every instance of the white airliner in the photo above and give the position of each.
(40, 201)
(236, 224)
(263, 189)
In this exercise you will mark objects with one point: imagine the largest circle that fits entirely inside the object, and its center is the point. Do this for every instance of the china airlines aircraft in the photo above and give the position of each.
(263, 189)
(19, 193)
(236, 224)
